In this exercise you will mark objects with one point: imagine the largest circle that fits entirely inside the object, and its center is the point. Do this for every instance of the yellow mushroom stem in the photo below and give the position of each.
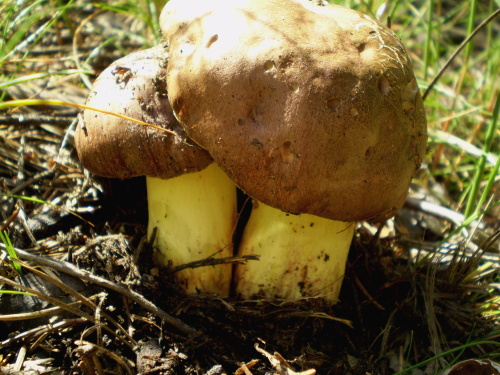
(195, 215)
(300, 255)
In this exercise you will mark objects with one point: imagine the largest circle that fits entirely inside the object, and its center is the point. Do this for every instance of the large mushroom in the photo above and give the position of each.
(191, 202)
(314, 111)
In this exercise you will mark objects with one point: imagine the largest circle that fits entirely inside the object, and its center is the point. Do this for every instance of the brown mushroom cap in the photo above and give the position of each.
(308, 108)
(109, 146)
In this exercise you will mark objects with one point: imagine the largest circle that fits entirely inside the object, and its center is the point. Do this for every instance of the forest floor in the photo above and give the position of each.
(420, 292)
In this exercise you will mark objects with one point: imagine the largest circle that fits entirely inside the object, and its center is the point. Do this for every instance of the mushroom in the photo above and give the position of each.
(191, 202)
(311, 109)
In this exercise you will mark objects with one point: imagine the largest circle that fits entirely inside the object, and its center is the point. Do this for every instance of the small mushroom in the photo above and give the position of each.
(474, 367)
(313, 110)
(191, 202)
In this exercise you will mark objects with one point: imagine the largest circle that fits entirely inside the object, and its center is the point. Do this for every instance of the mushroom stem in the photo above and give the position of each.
(300, 255)
(195, 215)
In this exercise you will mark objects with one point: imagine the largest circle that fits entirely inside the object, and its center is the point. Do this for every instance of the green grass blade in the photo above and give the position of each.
(428, 38)
(16, 292)
(4, 237)
(470, 28)
(472, 206)
(32, 77)
(459, 348)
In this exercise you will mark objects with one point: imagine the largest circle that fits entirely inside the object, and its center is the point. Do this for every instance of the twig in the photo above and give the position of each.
(367, 294)
(9, 220)
(210, 261)
(70, 269)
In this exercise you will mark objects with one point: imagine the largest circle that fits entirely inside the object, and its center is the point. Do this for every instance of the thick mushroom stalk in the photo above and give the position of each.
(191, 201)
(300, 255)
(310, 108)
(194, 216)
